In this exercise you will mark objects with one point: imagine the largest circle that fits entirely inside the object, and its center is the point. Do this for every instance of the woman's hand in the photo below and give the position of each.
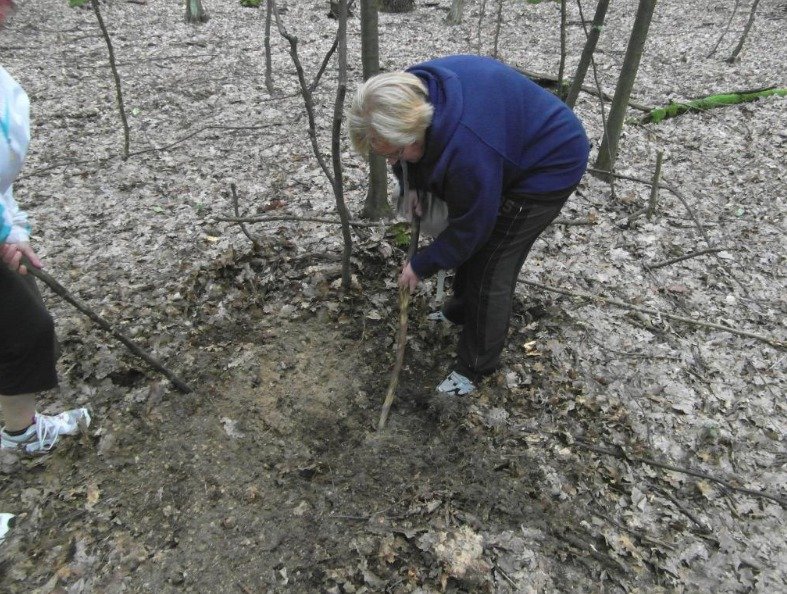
(408, 278)
(11, 254)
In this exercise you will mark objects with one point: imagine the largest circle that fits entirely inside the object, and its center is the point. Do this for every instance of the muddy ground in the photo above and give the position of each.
(620, 449)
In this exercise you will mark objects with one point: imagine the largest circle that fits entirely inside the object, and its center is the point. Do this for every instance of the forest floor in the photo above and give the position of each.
(270, 476)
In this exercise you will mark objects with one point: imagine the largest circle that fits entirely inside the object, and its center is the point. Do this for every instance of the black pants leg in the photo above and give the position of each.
(27, 337)
(485, 284)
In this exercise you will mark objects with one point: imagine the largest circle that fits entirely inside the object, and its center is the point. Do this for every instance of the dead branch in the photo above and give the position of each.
(240, 220)
(59, 289)
(654, 312)
(104, 160)
(682, 509)
(684, 257)
(575, 222)
(305, 93)
(254, 243)
(404, 302)
(591, 550)
(726, 28)
(574, 441)
(746, 29)
(654, 188)
(325, 60)
(267, 46)
(543, 78)
(116, 76)
(621, 454)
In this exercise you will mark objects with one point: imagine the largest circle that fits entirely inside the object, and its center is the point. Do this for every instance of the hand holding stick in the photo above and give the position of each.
(404, 302)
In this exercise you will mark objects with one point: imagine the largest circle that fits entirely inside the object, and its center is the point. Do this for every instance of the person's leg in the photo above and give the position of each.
(28, 352)
(18, 412)
(27, 338)
(490, 279)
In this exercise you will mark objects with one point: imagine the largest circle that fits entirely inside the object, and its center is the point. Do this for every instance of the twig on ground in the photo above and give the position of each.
(684, 257)
(47, 279)
(654, 188)
(654, 312)
(104, 160)
(621, 454)
(574, 222)
(254, 243)
(682, 509)
(549, 78)
(299, 219)
(638, 533)
(588, 548)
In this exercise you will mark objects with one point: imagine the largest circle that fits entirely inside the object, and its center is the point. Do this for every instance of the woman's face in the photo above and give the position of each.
(411, 153)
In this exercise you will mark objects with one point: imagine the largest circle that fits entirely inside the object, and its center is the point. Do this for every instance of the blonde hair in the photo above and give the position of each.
(392, 107)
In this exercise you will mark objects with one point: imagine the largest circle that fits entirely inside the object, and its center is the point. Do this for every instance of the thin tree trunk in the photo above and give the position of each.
(587, 52)
(305, 93)
(481, 14)
(455, 13)
(726, 28)
(561, 71)
(376, 205)
(267, 43)
(609, 146)
(116, 76)
(739, 47)
(335, 177)
(336, 139)
(195, 13)
(498, 26)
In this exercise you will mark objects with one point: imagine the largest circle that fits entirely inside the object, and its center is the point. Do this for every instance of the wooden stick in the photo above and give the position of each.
(47, 279)
(620, 453)
(654, 188)
(654, 312)
(684, 257)
(404, 302)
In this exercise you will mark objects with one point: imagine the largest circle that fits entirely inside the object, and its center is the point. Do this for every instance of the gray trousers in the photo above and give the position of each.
(483, 289)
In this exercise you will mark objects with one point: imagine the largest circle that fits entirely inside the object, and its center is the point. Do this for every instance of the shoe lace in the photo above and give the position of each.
(47, 428)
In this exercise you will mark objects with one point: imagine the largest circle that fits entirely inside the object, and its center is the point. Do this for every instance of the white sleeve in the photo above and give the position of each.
(14, 138)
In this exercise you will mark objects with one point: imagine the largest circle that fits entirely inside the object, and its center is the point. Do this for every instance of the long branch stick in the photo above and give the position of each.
(654, 312)
(623, 455)
(115, 75)
(404, 302)
(726, 484)
(56, 287)
(684, 257)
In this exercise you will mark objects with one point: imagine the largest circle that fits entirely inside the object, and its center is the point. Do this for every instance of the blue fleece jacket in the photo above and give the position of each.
(494, 133)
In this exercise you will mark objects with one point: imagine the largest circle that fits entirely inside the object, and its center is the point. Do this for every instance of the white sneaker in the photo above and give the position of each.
(42, 435)
(437, 316)
(456, 384)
